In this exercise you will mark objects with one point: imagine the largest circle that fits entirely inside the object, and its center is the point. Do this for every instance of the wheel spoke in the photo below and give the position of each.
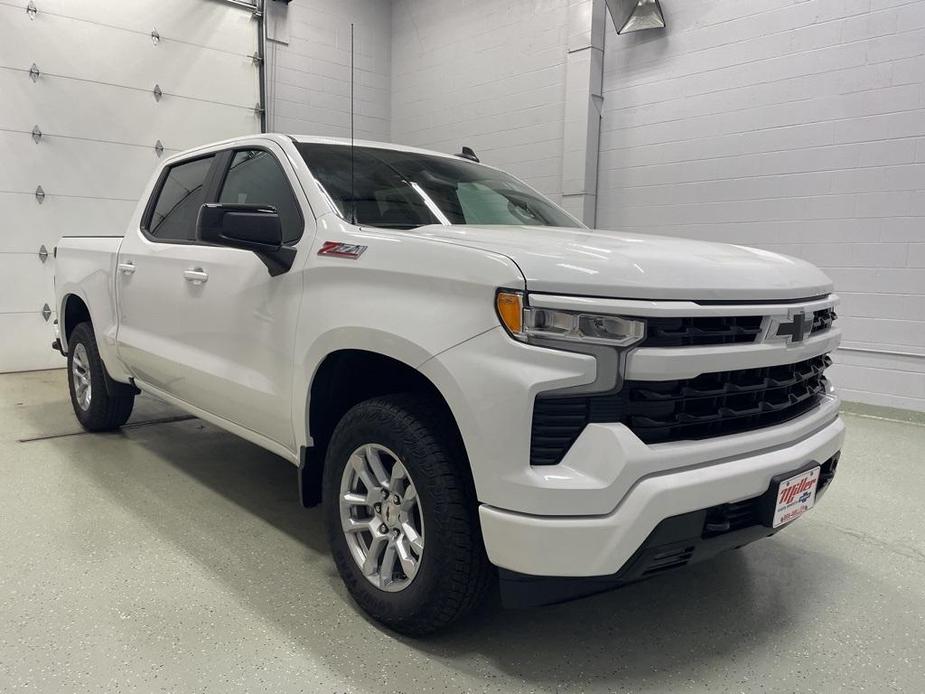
(387, 567)
(352, 525)
(398, 479)
(362, 471)
(410, 498)
(355, 499)
(408, 564)
(372, 564)
(414, 539)
(374, 461)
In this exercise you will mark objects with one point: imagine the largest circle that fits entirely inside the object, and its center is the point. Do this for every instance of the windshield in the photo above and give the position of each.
(403, 190)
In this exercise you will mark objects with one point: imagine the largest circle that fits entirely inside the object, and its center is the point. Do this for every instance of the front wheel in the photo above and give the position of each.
(402, 517)
(96, 409)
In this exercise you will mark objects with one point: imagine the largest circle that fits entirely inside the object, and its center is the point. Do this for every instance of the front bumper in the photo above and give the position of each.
(601, 545)
(676, 542)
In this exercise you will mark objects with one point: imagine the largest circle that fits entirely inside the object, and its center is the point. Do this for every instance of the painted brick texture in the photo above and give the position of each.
(798, 127)
(490, 75)
(309, 78)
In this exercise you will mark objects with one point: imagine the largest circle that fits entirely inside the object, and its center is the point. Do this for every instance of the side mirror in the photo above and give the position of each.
(250, 227)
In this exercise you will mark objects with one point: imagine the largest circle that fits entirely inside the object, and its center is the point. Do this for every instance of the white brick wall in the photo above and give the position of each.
(308, 79)
(794, 126)
(490, 75)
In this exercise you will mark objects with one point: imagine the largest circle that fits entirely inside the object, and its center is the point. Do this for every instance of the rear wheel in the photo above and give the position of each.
(96, 409)
(402, 517)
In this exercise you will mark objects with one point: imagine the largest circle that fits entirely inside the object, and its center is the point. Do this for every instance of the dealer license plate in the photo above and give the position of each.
(795, 496)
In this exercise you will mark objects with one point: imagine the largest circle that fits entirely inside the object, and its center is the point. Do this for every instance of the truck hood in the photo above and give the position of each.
(639, 266)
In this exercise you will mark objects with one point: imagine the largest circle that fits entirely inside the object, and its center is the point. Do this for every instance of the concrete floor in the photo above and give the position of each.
(175, 557)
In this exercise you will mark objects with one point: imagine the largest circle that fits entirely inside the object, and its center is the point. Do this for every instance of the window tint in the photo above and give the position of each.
(376, 193)
(256, 178)
(403, 190)
(179, 200)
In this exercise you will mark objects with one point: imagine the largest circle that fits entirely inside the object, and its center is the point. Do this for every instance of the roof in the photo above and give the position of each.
(366, 143)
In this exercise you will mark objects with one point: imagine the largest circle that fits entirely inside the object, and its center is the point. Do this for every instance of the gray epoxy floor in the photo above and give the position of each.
(175, 557)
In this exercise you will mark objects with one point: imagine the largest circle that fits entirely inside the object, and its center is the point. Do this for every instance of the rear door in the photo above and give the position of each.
(208, 324)
(150, 287)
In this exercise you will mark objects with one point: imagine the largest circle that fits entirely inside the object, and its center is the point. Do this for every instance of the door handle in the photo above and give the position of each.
(196, 275)
(126, 268)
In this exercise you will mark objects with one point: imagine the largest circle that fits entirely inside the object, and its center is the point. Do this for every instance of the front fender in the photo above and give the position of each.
(407, 297)
(388, 344)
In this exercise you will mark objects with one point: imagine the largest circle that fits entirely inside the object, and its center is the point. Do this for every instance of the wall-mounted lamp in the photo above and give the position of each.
(635, 15)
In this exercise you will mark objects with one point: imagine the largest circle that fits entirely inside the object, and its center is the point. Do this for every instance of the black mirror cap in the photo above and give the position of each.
(254, 228)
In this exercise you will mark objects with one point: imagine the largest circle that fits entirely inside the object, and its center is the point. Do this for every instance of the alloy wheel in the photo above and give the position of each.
(80, 373)
(381, 517)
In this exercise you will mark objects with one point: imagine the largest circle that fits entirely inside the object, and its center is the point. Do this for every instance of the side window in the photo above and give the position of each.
(179, 200)
(256, 178)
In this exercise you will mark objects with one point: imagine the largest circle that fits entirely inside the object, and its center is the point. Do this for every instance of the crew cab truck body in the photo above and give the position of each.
(467, 377)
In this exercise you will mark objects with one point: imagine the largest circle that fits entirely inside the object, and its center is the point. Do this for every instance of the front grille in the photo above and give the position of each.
(714, 404)
(702, 330)
(723, 403)
(822, 320)
(716, 330)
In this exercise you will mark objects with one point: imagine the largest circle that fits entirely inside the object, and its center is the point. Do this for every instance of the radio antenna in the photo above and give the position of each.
(353, 195)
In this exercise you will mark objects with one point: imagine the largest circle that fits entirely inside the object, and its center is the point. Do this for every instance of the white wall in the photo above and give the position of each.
(490, 75)
(796, 126)
(793, 126)
(308, 67)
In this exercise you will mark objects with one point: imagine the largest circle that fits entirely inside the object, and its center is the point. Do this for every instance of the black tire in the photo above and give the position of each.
(105, 411)
(454, 571)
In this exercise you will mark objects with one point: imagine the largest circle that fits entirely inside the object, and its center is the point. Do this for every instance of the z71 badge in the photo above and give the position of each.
(341, 250)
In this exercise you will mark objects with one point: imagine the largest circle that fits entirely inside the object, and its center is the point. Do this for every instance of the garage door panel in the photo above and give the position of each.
(27, 282)
(209, 23)
(28, 225)
(95, 106)
(25, 342)
(129, 59)
(75, 167)
(134, 117)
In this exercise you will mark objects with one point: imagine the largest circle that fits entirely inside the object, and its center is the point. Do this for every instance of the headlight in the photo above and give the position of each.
(525, 322)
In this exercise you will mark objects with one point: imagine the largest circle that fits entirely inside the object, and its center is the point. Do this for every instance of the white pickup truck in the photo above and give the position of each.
(475, 385)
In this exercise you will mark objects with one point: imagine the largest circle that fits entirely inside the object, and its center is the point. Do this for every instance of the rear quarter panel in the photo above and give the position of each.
(84, 268)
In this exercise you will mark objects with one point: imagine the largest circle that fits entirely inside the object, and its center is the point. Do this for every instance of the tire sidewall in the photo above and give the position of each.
(364, 425)
(84, 335)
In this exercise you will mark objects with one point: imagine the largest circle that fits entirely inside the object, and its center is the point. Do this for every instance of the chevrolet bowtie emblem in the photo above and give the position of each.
(795, 329)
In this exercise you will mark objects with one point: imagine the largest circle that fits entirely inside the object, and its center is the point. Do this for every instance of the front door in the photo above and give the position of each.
(208, 324)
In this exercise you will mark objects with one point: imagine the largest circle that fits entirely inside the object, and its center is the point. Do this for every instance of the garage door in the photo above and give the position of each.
(92, 95)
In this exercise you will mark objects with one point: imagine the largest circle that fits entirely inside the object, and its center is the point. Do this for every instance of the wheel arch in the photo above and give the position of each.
(74, 310)
(346, 377)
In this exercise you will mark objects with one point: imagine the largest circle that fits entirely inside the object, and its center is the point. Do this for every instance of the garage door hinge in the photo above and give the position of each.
(40, 195)
(31, 10)
(159, 148)
(36, 134)
(34, 72)
(258, 110)
(155, 37)
(257, 59)
(43, 253)
(46, 312)
(157, 92)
